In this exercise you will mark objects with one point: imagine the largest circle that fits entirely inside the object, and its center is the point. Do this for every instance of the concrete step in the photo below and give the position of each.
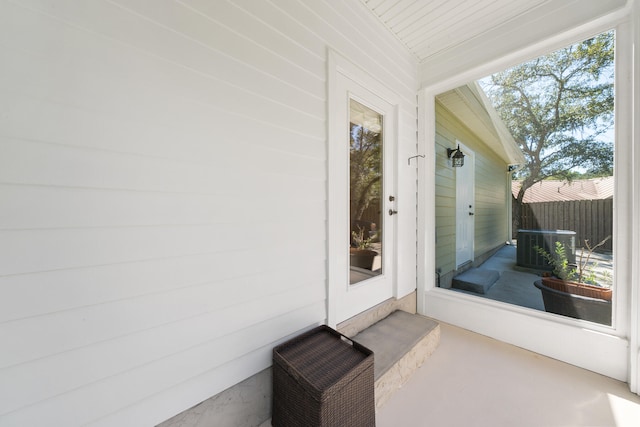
(401, 342)
(476, 280)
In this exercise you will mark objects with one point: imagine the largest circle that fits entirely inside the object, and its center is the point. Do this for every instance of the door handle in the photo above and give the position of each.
(391, 212)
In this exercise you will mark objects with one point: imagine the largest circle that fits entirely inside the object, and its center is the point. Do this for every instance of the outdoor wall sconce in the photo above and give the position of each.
(456, 157)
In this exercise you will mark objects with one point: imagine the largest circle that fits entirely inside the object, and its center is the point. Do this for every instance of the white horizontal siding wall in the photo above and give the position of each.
(163, 188)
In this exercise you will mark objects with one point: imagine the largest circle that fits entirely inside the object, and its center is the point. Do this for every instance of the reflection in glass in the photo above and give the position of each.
(557, 115)
(365, 178)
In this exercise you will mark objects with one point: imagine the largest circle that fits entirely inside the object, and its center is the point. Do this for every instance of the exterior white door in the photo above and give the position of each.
(362, 220)
(465, 208)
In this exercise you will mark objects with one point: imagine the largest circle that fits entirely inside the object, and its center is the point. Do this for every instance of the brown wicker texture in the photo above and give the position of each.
(322, 378)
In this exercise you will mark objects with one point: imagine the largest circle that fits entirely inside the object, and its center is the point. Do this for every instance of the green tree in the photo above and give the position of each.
(365, 168)
(558, 109)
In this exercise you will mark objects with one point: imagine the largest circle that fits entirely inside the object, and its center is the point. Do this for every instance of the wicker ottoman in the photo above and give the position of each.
(322, 378)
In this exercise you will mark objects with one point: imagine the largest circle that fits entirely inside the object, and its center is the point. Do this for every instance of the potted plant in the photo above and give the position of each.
(360, 253)
(577, 290)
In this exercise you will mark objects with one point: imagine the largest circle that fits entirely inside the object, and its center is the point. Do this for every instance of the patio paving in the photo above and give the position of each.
(514, 285)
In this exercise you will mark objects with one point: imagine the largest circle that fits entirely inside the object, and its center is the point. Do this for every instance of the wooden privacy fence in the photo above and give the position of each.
(590, 219)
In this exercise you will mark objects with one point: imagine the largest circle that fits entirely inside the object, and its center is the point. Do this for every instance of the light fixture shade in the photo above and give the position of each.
(456, 156)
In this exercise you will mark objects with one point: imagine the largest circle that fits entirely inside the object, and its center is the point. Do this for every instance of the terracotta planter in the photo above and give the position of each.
(577, 288)
(362, 258)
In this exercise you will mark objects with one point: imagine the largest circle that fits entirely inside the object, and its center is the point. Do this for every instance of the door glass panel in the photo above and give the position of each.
(365, 189)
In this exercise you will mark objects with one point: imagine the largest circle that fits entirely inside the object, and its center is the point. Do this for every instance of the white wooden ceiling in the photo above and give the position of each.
(428, 27)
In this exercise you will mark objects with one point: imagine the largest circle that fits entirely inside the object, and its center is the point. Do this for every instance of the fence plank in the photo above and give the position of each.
(590, 219)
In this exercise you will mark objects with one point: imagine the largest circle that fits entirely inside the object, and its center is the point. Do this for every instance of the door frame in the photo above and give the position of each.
(612, 351)
(337, 195)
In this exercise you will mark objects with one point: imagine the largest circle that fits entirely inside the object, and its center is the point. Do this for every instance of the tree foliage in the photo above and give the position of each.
(558, 108)
(365, 168)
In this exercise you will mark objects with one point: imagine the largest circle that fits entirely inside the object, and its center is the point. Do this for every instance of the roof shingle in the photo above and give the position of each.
(561, 191)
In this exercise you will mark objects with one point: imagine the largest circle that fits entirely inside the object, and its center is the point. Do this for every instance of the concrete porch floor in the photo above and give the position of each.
(472, 380)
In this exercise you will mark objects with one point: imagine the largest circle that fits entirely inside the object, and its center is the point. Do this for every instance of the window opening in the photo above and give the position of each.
(550, 214)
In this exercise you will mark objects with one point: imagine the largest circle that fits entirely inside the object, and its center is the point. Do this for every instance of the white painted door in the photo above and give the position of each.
(465, 208)
(362, 204)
